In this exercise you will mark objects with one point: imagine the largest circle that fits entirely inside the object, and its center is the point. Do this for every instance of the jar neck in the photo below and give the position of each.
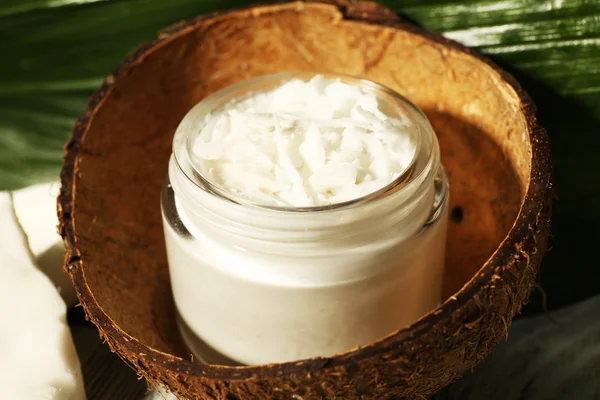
(399, 214)
(399, 209)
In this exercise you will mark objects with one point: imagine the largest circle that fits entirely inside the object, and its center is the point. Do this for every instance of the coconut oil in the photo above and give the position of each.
(287, 270)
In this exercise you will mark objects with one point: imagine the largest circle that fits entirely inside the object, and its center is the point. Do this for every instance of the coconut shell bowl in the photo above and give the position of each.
(496, 156)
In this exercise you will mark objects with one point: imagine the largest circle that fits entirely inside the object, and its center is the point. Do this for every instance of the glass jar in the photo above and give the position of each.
(258, 284)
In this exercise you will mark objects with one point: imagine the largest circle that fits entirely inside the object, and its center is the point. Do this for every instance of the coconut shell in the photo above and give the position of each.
(496, 156)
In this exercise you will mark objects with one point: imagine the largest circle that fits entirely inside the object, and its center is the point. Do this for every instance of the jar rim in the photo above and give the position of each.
(184, 134)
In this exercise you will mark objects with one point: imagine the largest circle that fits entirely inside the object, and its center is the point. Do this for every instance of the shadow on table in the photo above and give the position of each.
(105, 375)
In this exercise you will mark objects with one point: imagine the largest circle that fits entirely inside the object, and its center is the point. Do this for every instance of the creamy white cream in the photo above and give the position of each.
(305, 143)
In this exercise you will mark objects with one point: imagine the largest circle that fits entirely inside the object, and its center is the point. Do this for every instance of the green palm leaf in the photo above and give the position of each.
(56, 52)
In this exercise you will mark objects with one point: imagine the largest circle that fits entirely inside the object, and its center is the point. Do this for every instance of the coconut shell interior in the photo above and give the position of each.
(495, 155)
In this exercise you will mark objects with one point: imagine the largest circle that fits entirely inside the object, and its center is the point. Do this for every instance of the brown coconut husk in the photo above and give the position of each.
(496, 156)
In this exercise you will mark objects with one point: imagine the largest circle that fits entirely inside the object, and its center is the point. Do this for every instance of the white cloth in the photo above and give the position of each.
(38, 360)
(35, 207)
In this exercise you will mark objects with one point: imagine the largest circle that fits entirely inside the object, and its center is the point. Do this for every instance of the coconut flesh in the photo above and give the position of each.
(35, 207)
(38, 358)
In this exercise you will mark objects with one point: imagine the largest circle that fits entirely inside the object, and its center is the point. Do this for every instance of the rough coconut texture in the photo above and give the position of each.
(496, 156)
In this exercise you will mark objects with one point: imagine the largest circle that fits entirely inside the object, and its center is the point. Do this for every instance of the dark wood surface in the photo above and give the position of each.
(554, 356)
